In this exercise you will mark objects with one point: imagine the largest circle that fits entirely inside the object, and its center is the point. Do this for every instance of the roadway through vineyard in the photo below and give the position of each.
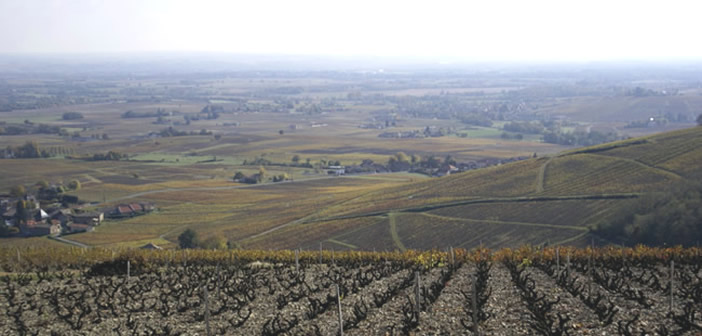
(510, 296)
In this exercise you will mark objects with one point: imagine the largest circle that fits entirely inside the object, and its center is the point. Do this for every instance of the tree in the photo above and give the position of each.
(75, 185)
(215, 243)
(72, 116)
(238, 176)
(21, 213)
(296, 159)
(188, 239)
(29, 150)
(699, 120)
(18, 191)
(43, 184)
(433, 162)
(449, 160)
(402, 157)
(261, 174)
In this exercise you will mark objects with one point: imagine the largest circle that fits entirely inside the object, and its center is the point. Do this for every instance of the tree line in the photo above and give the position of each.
(673, 217)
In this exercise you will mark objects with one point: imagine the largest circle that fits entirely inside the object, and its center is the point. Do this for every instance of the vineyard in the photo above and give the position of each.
(534, 291)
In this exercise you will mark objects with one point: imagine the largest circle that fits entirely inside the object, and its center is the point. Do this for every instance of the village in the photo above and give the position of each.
(45, 210)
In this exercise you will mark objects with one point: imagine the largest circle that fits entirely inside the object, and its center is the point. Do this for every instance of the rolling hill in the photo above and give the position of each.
(558, 200)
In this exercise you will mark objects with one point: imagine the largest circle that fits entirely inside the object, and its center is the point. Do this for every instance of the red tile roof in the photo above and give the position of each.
(123, 209)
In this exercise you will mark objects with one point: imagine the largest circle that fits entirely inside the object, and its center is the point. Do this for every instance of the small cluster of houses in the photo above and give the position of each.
(368, 166)
(448, 169)
(428, 132)
(56, 219)
(51, 220)
(402, 134)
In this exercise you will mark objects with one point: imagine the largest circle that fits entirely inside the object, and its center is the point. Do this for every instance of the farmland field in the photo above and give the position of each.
(179, 141)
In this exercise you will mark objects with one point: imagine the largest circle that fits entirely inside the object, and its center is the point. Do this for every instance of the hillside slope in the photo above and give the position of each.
(554, 199)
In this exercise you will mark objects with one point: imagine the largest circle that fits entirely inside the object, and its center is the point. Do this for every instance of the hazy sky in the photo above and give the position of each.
(464, 30)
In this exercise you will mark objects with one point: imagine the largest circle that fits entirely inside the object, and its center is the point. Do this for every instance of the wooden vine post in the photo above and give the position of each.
(589, 273)
(207, 309)
(474, 304)
(320, 253)
(341, 319)
(417, 292)
(297, 261)
(218, 271)
(672, 276)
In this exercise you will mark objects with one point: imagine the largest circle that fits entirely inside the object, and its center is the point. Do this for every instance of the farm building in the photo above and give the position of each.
(75, 227)
(62, 215)
(34, 228)
(131, 209)
(92, 218)
(123, 210)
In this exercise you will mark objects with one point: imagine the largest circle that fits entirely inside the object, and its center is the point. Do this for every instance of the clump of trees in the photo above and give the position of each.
(109, 156)
(399, 162)
(74, 185)
(699, 120)
(211, 112)
(131, 114)
(46, 191)
(259, 177)
(416, 163)
(509, 136)
(579, 138)
(30, 150)
(670, 218)
(524, 127)
(18, 191)
(641, 92)
(170, 131)
(189, 239)
(72, 116)
(30, 128)
(476, 119)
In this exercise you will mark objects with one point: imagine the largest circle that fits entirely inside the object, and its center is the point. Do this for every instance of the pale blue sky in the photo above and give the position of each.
(453, 30)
